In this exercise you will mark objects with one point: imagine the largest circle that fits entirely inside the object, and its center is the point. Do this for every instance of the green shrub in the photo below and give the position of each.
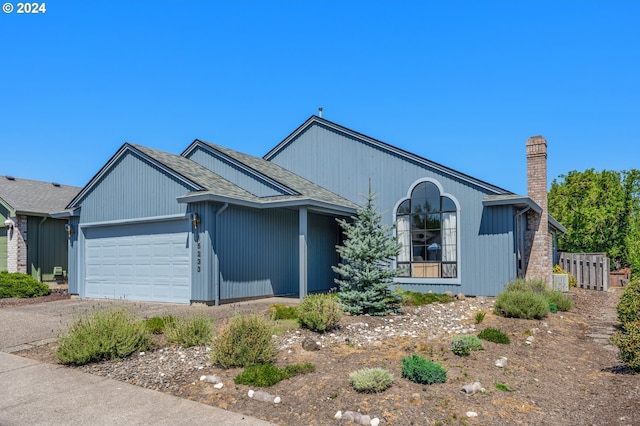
(319, 312)
(628, 341)
(413, 298)
(521, 304)
(553, 308)
(371, 380)
(562, 302)
(102, 335)
(245, 341)
(494, 335)
(629, 305)
(480, 317)
(529, 294)
(460, 348)
(265, 375)
(156, 325)
(20, 285)
(190, 331)
(472, 343)
(420, 370)
(283, 312)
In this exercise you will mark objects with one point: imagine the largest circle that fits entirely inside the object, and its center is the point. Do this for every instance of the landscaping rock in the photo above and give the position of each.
(460, 296)
(502, 362)
(308, 344)
(472, 388)
(264, 396)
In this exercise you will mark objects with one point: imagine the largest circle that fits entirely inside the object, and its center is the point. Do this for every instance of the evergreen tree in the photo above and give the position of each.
(366, 271)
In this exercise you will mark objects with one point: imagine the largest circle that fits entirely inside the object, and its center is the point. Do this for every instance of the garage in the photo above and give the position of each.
(141, 261)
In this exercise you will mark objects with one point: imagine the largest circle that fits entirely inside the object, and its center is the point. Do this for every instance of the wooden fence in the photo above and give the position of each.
(591, 270)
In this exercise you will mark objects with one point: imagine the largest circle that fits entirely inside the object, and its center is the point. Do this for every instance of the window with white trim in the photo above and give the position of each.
(427, 229)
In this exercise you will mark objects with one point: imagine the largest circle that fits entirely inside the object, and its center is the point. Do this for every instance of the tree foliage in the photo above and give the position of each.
(366, 271)
(601, 211)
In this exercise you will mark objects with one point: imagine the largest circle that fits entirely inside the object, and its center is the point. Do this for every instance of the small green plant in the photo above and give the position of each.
(553, 308)
(156, 325)
(265, 375)
(245, 341)
(413, 298)
(471, 341)
(525, 304)
(20, 285)
(628, 341)
(460, 348)
(283, 312)
(562, 302)
(371, 380)
(494, 335)
(421, 370)
(480, 317)
(102, 335)
(190, 331)
(502, 387)
(319, 312)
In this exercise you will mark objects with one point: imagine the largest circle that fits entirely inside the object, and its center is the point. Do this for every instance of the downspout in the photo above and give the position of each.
(520, 250)
(40, 249)
(216, 296)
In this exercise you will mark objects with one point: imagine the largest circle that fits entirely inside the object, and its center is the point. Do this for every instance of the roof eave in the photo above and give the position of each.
(315, 205)
(520, 202)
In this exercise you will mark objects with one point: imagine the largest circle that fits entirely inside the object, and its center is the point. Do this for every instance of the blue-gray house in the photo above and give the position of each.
(214, 225)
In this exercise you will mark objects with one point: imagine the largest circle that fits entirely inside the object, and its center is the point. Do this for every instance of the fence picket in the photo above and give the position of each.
(591, 270)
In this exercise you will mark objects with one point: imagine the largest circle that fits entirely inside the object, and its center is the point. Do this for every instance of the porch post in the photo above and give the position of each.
(302, 250)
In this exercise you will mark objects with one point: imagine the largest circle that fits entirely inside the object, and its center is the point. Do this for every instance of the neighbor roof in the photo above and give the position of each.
(34, 198)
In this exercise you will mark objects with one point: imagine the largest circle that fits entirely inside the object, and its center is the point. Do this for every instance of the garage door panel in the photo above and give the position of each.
(149, 262)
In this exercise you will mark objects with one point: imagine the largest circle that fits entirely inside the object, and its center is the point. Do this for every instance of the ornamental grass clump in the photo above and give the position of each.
(371, 380)
(189, 331)
(421, 370)
(103, 335)
(246, 340)
(319, 312)
(156, 325)
(494, 335)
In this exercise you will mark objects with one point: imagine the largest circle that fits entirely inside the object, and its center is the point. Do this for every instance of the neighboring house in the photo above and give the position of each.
(31, 240)
(214, 225)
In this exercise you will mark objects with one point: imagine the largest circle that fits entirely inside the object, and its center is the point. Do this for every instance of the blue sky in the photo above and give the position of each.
(462, 83)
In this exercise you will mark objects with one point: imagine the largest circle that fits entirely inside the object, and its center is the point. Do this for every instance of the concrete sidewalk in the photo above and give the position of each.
(33, 393)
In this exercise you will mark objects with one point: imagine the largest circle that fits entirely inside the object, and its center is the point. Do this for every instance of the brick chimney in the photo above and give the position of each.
(537, 237)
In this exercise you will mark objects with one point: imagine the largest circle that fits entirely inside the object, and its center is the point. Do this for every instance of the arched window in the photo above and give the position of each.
(427, 228)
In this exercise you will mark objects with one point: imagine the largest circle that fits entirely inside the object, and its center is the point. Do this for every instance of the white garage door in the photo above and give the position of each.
(145, 262)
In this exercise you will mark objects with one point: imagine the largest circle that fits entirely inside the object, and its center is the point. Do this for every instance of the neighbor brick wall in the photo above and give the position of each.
(537, 236)
(17, 245)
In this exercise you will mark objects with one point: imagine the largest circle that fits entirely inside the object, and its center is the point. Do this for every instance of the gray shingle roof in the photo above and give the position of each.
(296, 183)
(201, 176)
(35, 197)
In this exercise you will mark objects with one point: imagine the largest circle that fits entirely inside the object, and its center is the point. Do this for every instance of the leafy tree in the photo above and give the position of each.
(366, 272)
(601, 211)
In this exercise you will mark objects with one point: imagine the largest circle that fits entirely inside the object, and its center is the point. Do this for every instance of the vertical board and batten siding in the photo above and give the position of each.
(233, 173)
(204, 268)
(344, 164)
(322, 238)
(257, 252)
(133, 188)
(47, 247)
(74, 257)
(3, 248)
